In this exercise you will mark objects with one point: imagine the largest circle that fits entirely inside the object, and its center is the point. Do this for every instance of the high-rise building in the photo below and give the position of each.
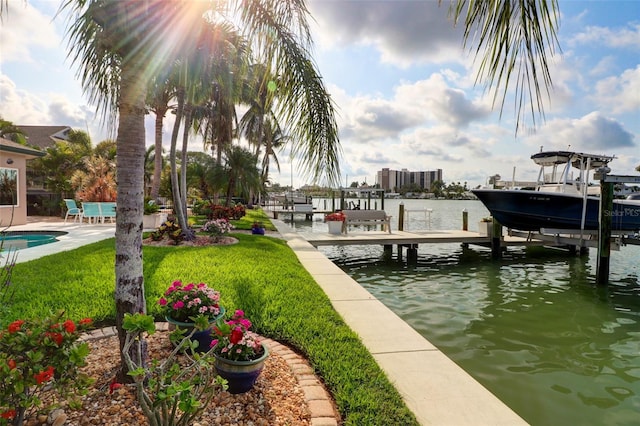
(392, 180)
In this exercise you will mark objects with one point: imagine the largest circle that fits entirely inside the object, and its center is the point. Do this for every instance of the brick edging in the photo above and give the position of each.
(321, 406)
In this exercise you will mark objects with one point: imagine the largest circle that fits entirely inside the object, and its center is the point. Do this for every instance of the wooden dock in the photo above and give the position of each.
(405, 238)
(411, 241)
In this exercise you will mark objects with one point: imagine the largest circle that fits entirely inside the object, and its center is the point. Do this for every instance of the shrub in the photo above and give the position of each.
(39, 353)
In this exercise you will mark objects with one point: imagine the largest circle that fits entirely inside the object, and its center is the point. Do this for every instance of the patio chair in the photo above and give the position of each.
(72, 210)
(108, 210)
(91, 211)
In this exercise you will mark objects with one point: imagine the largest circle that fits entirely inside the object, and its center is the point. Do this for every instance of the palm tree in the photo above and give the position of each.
(242, 174)
(159, 95)
(118, 45)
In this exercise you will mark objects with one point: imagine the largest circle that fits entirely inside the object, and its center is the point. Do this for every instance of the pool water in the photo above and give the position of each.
(17, 240)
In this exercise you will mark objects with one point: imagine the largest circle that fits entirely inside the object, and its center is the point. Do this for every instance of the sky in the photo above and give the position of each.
(403, 84)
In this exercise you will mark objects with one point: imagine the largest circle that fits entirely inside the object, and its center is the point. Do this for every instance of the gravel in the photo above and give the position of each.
(276, 399)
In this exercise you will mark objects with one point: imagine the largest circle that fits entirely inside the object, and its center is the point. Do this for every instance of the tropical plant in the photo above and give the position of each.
(242, 174)
(234, 341)
(169, 229)
(171, 392)
(184, 302)
(97, 182)
(217, 228)
(150, 206)
(38, 354)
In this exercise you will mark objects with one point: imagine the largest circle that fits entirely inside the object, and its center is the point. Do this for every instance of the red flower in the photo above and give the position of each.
(9, 414)
(56, 337)
(85, 321)
(114, 385)
(12, 364)
(236, 335)
(70, 326)
(44, 375)
(15, 326)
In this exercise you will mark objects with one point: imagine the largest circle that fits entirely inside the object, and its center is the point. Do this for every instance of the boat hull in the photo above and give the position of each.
(532, 210)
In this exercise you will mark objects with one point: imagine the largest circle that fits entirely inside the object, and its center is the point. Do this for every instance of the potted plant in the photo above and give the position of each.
(152, 217)
(257, 228)
(335, 222)
(485, 226)
(239, 354)
(182, 304)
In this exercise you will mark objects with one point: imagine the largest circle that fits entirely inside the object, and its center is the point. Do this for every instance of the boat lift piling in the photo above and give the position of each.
(606, 209)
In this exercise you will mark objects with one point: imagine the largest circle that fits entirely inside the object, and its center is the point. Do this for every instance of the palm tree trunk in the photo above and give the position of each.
(183, 170)
(175, 183)
(157, 166)
(130, 150)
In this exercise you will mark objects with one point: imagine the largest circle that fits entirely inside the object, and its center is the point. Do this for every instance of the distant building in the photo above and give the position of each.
(390, 180)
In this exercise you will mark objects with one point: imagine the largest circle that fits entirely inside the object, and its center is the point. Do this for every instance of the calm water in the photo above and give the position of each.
(533, 327)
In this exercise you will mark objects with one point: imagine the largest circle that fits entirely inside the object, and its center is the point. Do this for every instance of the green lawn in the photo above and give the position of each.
(260, 275)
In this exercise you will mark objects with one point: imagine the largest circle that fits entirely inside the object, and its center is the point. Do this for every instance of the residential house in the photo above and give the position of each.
(13, 181)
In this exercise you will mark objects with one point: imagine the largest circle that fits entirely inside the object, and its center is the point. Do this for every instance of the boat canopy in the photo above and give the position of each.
(577, 159)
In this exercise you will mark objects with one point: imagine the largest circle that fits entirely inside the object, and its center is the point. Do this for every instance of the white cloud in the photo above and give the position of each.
(611, 37)
(23, 29)
(404, 32)
(20, 107)
(620, 94)
(592, 132)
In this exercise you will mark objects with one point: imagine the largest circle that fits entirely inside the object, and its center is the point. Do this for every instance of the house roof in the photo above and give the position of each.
(16, 148)
(44, 136)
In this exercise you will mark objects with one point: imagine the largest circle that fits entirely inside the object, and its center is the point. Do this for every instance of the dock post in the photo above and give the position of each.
(401, 217)
(496, 240)
(387, 251)
(604, 237)
(465, 220)
(412, 254)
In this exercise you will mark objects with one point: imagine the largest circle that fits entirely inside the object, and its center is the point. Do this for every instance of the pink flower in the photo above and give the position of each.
(245, 323)
(239, 313)
(178, 305)
(162, 301)
(189, 287)
(214, 342)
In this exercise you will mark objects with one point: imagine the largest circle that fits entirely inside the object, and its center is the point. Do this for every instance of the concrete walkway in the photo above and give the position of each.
(433, 387)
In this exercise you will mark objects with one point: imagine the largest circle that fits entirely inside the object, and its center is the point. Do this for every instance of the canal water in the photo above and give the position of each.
(533, 327)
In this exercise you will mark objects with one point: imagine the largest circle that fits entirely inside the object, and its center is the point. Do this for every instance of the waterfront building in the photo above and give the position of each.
(391, 180)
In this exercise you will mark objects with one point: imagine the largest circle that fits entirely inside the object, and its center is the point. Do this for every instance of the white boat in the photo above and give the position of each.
(560, 200)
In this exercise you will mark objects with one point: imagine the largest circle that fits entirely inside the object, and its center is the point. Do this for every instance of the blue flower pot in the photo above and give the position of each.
(203, 337)
(257, 231)
(240, 375)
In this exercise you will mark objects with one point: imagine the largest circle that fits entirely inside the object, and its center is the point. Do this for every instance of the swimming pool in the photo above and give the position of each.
(26, 239)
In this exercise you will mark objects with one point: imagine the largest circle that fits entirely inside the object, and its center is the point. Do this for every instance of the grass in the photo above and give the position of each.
(260, 275)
